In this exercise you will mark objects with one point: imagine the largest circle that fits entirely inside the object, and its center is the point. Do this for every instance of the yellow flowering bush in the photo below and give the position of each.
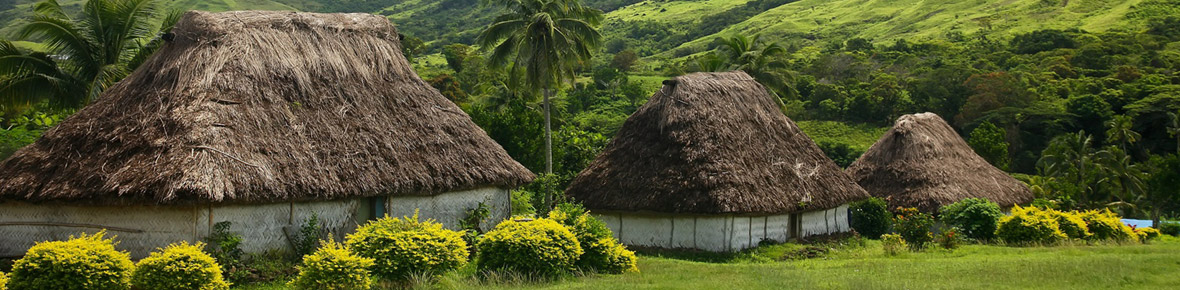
(402, 247)
(179, 266)
(1029, 225)
(1070, 223)
(1106, 225)
(541, 246)
(333, 267)
(3, 280)
(1145, 234)
(893, 244)
(602, 252)
(83, 262)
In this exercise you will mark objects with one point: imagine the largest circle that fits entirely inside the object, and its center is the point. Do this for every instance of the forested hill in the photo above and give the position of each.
(677, 28)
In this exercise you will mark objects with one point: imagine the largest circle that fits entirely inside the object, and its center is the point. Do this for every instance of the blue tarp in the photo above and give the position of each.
(1138, 223)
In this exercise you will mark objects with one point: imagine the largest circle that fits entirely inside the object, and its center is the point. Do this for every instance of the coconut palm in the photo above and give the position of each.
(1119, 130)
(85, 55)
(1072, 158)
(764, 62)
(543, 40)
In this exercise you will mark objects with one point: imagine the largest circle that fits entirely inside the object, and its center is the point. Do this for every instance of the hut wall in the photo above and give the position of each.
(450, 208)
(142, 229)
(719, 233)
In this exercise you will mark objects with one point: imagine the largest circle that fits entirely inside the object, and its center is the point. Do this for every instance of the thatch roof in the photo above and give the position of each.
(710, 143)
(922, 162)
(248, 106)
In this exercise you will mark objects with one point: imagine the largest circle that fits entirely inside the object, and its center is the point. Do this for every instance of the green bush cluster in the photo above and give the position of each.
(976, 217)
(179, 266)
(83, 262)
(541, 247)
(1170, 228)
(1029, 225)
(333, 267)
(1106, 225)
(402, 247)
(914, 227)
(870, 217)
(949, 239)
(602, 252)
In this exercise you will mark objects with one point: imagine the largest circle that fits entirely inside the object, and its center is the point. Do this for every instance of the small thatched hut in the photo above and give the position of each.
(922, 162)
(262, 119)
(711, 163)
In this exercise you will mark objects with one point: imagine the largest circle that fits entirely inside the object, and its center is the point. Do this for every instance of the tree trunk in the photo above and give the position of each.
(548, 136)
(1155, 217)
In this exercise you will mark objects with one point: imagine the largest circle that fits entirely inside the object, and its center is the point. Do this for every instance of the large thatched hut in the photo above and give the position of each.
(922, 162)
(261, 119)
(711, 163)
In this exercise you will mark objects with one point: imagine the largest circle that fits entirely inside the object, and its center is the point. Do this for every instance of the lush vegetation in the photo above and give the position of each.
(334, 267)
(83, 262)
(179, 266)
(402, 247)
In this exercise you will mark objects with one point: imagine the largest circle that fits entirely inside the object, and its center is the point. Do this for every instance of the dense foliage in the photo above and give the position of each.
(538, 247)
(334, 267)
(1106, 225)
(85, 262)
(870, 217)
(602, 253)
(976, 217)
(402, 247)
(181, 267)
(914, 227)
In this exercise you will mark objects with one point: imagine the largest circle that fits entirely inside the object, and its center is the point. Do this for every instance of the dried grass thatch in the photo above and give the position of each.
(249, 106)
(922, 162)
(710, 143)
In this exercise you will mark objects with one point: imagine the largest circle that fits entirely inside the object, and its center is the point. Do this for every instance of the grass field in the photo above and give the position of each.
(857, 136)
(1107, 266)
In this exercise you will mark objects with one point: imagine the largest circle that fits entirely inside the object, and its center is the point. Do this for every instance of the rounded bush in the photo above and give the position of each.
(893, 244)
(179, 266)
(601, 251)
(870, 217)
(83, 262)
(1070, 223)
(1170, 228)
(914, 227)
(1147, 234)
(333, 267)
(1029, 225)
(1106, 225)
(976, 217)
(542, 247)
(403, 247)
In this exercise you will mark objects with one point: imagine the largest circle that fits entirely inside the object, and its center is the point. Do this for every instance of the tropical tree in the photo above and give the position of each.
(85, 54)
(544, 41)
(1119, 131)
(988, 141)
(1164, 185)
(1072, 158)
(764, 62)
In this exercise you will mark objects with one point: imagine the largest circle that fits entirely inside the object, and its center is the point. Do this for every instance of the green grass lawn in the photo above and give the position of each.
(1106, 266)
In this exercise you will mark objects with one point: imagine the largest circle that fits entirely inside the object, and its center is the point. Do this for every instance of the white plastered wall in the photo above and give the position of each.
(450, 208)
(719, 233)
(142, 229)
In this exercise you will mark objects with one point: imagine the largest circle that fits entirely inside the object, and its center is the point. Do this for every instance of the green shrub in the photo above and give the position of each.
(1070, 223)
(1170, 228)
(179, 266)
(914, 227)
(893, 244)
(308, 238)
(225, 246)
(83, 262)
(333, 267)
(601, 251)
(949, 239)
(977, 217)
(541, 247)
(1029, 225)
(870, 217)
(1106, 225)
(402, 247)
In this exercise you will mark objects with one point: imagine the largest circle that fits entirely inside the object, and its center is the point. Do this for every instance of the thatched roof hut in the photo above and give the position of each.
(712, 144)
(254, 107)
(922, 162)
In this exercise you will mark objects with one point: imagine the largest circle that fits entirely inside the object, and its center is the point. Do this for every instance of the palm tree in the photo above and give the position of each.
(85, 55)
(1119, 130)
(545, 40)
(764, 63)
(1071, 157)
